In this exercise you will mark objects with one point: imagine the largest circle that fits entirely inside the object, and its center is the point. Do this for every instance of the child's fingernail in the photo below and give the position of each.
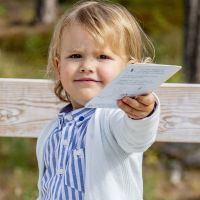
(125, 99)
(119, 102)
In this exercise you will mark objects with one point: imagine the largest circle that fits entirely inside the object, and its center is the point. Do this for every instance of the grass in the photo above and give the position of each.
(24, 54)
(18, 184)
(18, 177)
(13, 66)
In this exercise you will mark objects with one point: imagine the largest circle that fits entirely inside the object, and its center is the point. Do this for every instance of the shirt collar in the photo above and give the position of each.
(79, 115)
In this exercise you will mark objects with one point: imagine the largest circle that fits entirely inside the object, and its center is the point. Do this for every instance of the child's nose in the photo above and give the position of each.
(86, 69)
(87, 66)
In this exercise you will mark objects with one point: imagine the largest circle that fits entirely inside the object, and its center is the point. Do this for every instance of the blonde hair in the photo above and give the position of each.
(108, 23)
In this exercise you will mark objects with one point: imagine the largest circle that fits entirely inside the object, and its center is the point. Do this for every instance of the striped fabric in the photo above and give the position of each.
(64, 157)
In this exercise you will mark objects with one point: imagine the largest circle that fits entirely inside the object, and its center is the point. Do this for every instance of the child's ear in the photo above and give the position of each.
(57, 67)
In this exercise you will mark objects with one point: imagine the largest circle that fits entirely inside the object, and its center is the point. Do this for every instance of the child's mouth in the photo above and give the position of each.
(87, 80)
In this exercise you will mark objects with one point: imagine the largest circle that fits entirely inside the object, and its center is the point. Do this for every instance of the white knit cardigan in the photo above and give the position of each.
(114, 152)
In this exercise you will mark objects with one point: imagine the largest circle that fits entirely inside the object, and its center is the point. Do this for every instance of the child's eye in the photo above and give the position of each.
(104, 56)
(75, 56)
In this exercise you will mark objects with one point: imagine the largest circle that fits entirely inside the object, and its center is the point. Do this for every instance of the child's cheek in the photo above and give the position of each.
(109, 74)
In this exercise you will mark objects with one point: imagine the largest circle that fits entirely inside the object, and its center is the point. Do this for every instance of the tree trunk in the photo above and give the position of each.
(45, 11)
(192, 40)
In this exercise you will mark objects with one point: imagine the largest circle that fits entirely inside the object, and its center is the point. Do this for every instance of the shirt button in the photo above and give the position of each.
(65, 142)
(69, 117)
(78, 153)
(61, 171)
(81, 118)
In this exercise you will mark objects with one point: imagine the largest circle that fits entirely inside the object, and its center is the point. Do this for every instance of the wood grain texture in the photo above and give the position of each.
(180, 113)
(27, 105)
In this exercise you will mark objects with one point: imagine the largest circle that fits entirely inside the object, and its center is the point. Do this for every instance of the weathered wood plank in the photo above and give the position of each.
(27, 105)
(180, 113)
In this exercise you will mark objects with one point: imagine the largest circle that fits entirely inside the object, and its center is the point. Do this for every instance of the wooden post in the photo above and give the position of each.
(192, 40)
(45, 11)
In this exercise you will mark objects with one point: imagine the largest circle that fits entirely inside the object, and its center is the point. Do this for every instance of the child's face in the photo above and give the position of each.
(83, 68)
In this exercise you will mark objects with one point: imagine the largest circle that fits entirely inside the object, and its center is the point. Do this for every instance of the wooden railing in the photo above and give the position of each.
(27, 105)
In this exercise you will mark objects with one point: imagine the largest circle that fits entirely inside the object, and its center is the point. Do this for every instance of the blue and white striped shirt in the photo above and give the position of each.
(64, 156)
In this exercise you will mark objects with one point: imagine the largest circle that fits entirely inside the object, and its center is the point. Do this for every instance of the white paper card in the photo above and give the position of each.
(134, 80)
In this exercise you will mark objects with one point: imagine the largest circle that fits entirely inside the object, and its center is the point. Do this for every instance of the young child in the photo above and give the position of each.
(95, 154)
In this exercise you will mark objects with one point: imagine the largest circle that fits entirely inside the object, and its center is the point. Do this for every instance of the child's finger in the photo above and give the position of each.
(131, 112)
(146, 99)
(135, 104)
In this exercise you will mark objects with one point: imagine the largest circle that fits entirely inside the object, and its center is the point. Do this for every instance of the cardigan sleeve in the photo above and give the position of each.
(134, 135)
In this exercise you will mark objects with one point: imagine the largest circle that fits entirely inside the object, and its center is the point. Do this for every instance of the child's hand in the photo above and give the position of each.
(137, 107)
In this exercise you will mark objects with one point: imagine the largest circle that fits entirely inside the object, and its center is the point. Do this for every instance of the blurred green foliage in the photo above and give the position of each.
(24, 54)
(18, 169)
(3, 10)
(17, 153)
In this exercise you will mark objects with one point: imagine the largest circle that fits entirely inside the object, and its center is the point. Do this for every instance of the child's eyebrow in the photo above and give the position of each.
(82, 50)
(74, 50)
